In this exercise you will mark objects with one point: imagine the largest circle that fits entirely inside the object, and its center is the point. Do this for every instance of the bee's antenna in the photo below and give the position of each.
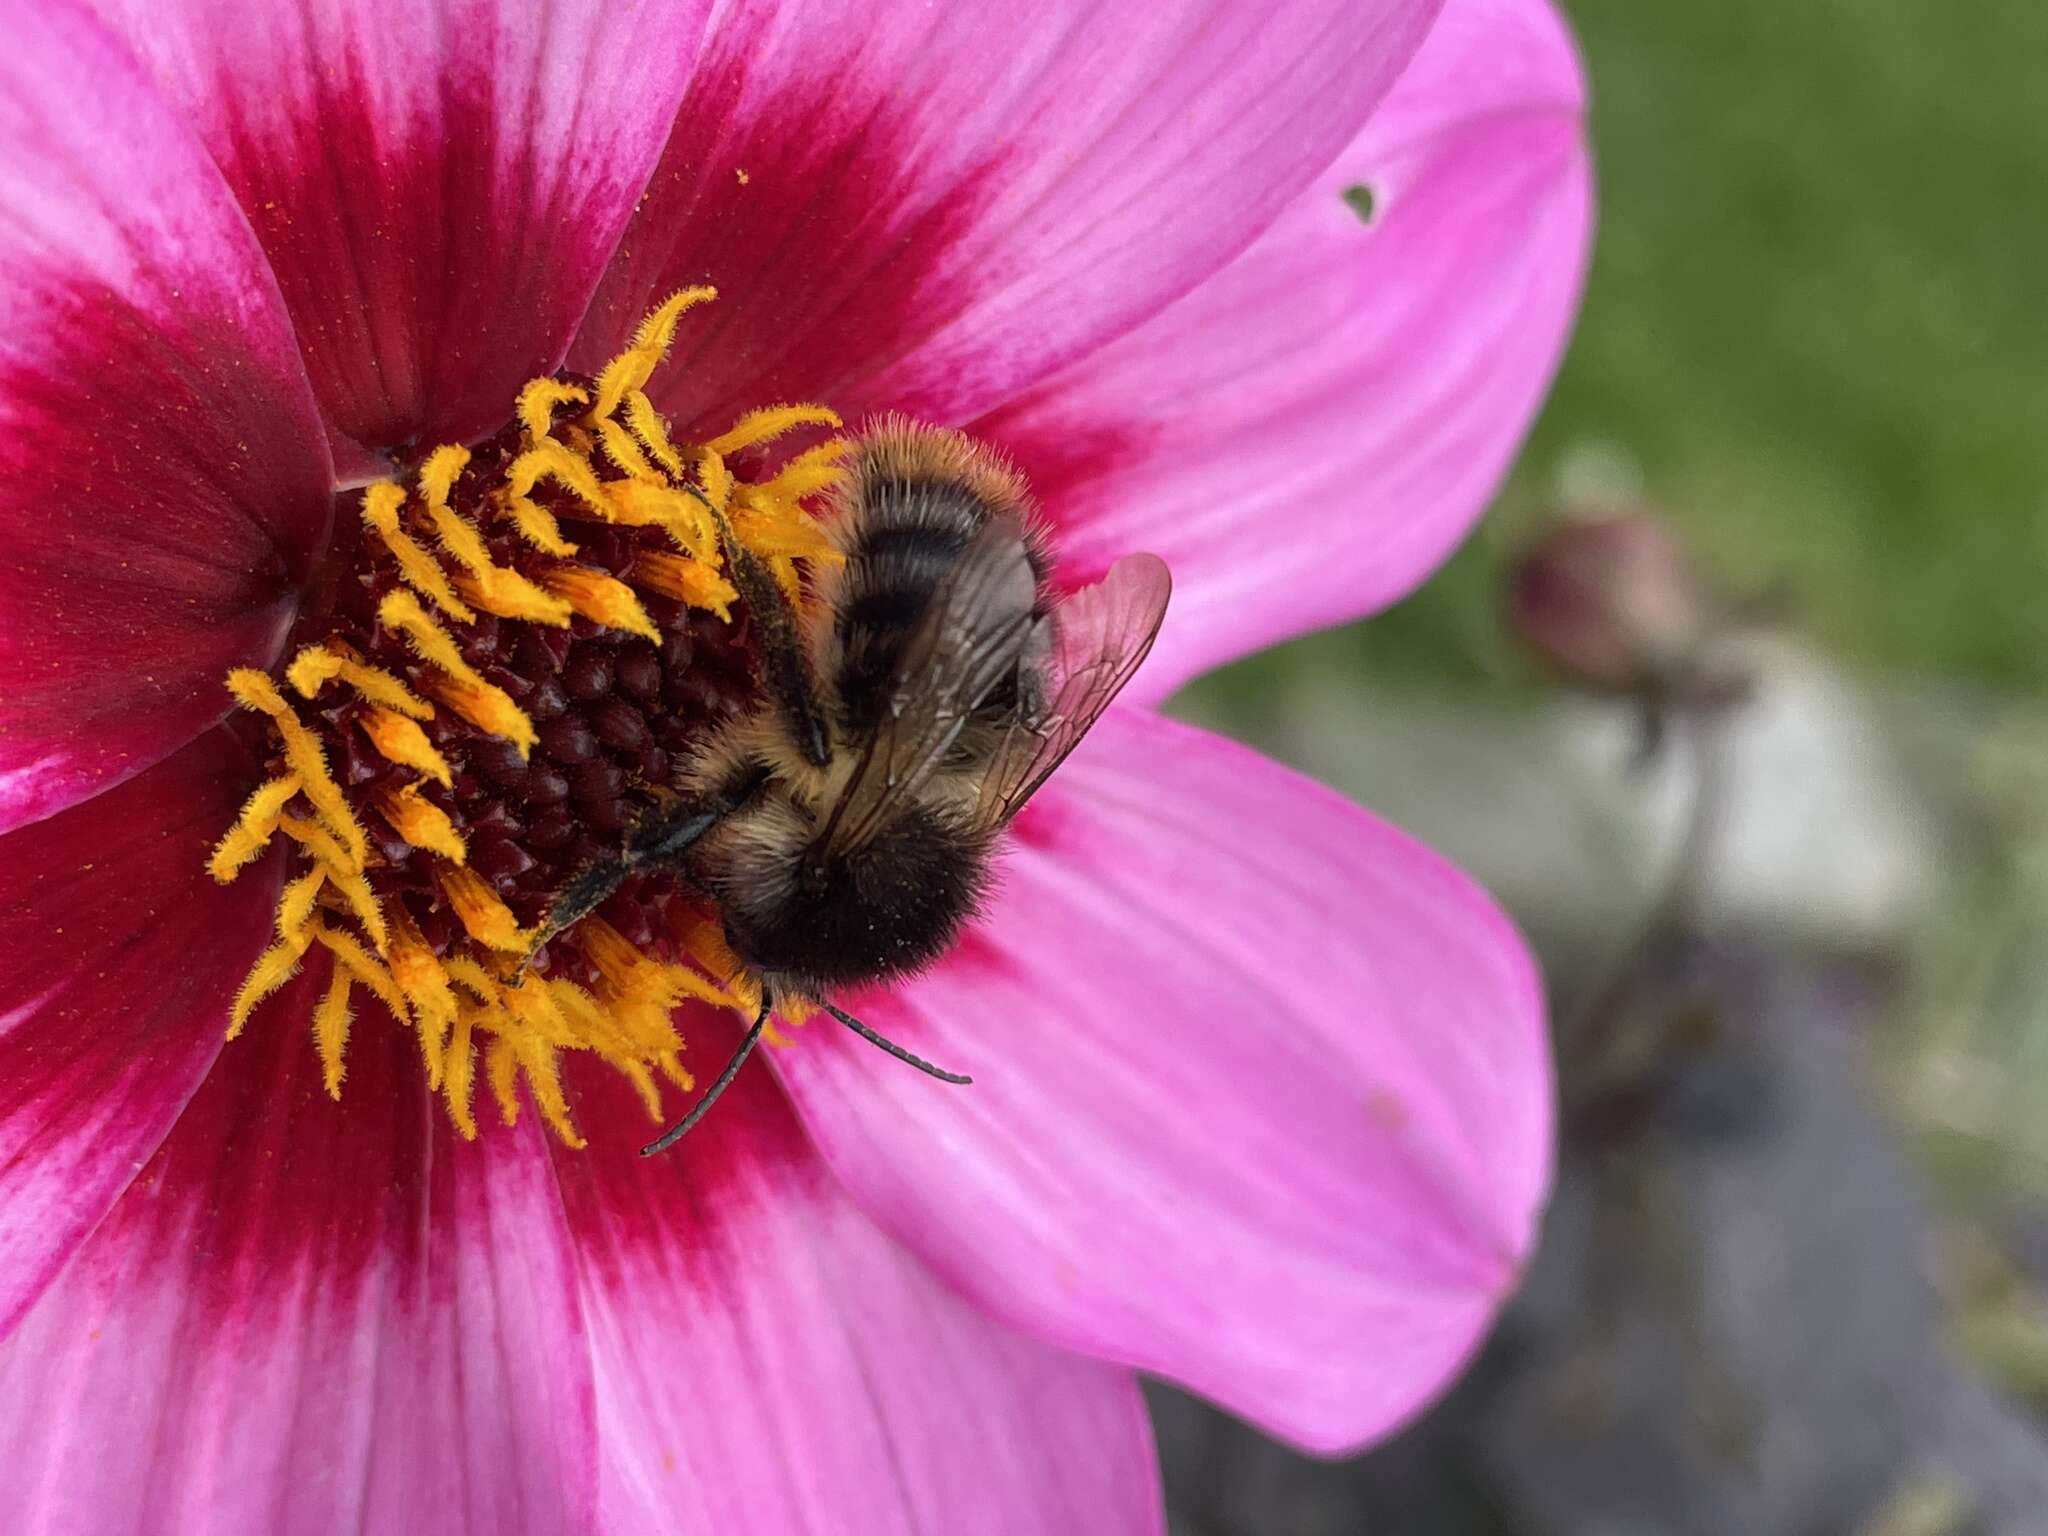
(681, 1128)
(894, 1049)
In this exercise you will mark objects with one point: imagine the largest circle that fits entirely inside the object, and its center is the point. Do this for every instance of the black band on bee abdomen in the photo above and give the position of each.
(908, 541)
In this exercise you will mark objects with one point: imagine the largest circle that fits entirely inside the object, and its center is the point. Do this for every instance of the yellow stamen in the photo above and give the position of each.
(485, 584)
(652, 431)
(273, 968)
(460, 538)
(685, 580)
(775, 533)
(483, 916)
(295, 906)
(769, 423)
(537, 525)
(681, 515)
(632, 368)
(381, 504)
(316, 666)
(330, 1031)
(422, 979)
(402, 612)
(602, 599)
(253, 829)
(488, 708)
(401, 741)
(364, 968)
(716, 478)
(635, 976)
(509, 595)
(458, 1073)
(533, 1004)
(550, 460)
(302, 752)
(501, 1070)
(344, 876)
(422, 823)
(438, 474)
(539, 401)
(814, 470)
(623, 451)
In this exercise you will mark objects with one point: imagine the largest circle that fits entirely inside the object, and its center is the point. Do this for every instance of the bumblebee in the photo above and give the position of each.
(843, 826)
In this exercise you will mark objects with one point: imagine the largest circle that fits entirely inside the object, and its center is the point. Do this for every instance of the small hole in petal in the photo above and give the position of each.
(1361, 200)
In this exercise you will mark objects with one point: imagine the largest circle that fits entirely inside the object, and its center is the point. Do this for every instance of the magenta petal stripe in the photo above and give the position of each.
(162, 481)
(310, 1319)
(118, 962)
(1308, 434)
(1261, 1093)
(767, 1361)
(438, 182)
(927, 208)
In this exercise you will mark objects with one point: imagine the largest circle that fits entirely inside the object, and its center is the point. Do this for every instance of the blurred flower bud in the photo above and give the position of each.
(1610, 603)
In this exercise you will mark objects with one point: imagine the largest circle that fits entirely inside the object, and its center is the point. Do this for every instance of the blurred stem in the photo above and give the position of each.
(1616, 1039)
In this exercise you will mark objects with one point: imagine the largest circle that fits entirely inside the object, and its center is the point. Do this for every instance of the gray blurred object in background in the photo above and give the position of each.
(1733, 1326)
(1729, 1331)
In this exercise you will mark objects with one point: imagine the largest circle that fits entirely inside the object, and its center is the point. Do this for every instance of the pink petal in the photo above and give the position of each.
(162, 479)
(1261, 1095)
(768, 1362)
(118, 956)
(929, 207)
(308, 1317)
(1308, 434)
(438, 182)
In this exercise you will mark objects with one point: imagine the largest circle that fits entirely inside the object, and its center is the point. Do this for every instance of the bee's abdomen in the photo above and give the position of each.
(903, 548)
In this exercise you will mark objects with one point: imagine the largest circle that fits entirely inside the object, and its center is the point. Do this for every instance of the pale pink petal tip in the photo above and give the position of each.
(1261, 1093)
(1308, 434)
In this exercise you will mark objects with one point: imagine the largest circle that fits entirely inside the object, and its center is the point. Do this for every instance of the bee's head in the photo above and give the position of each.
(810, 919)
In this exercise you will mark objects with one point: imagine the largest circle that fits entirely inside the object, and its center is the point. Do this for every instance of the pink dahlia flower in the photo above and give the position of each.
(1260, 1098)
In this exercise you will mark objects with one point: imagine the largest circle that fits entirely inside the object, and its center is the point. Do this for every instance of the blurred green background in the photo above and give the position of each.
(1814, 325)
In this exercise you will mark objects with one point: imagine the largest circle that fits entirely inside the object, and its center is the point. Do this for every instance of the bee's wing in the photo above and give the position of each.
(1102, 635)
(972, 637)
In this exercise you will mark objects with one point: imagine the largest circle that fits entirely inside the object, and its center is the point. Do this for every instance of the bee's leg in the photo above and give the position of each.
(788, 674)
(665, 842)
(681, 1128)
(582, 896)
